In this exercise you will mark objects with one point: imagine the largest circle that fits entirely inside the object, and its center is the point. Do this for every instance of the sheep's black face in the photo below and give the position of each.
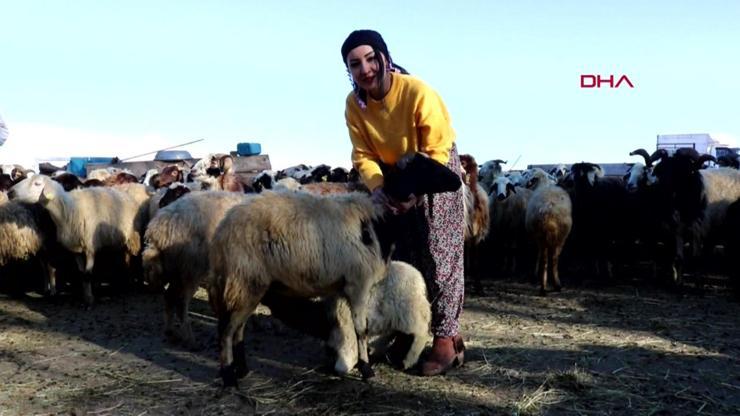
(262, 182)
(172, 195)
(420, 175)
(339, 175)
(386, 233)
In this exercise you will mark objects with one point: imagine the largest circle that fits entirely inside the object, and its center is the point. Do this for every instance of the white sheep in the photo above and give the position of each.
(311, 245)
(548, 222)
(176, 251)
(397, 303)
(508, 208)
(87, 220)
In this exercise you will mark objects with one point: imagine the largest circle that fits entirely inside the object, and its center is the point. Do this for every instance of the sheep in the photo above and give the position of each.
(26, 231)
(488, 172)
(87, 220)
(296, 172)
(326, 188)
(69, 181)
(167, 176)
(318, 173)
(5, 182)
(475, 201)
(397, 304)
(121, 178)
(508, 240)
(312, 245)
(600, 216)
(176, 251)
(476, 216)
(286, 184)
(263, 180)
(338, 174)
(212, 165)
(732, 248)
(548, 222)
(694, 203)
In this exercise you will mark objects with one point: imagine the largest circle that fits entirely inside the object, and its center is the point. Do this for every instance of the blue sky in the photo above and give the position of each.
(103, 78)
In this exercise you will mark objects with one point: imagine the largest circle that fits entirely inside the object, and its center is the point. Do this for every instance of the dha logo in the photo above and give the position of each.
(596, 81)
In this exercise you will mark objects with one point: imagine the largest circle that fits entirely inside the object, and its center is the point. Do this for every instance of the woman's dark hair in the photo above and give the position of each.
(376, 42)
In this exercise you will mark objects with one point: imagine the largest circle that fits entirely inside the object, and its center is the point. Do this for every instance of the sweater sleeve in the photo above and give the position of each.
(364, 159)
(433, 122)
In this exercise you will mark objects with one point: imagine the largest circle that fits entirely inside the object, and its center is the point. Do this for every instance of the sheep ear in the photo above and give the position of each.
(389, 259)
(47, 194)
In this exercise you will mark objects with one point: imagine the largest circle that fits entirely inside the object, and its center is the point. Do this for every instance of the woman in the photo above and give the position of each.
(391, 114)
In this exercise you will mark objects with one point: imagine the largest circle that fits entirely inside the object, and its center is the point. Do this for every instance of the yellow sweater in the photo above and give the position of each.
(411, 118)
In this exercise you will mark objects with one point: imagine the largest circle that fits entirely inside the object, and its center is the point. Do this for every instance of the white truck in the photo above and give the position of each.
(702, 142)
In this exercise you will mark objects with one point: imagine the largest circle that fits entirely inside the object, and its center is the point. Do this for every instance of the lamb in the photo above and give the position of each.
(548, 222)
(397, 303)
(311, 245)
(87, 220)
(176, 251)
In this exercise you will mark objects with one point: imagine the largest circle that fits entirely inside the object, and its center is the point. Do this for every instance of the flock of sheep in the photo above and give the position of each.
(314, 233)
(669, 209)
(291, 240)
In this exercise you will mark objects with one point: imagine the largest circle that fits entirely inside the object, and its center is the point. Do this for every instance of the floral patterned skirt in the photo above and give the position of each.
(432, 240)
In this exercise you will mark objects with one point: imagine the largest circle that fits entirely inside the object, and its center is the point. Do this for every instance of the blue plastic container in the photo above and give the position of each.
(77, 165)
(248, 149)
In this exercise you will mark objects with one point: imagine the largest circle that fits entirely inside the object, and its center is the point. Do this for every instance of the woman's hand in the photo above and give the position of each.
(402, 207)
(395, 206)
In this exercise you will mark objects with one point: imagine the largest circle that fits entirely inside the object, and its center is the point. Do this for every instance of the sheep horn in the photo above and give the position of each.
(704, 158)
(658, 155)
(500, 162)
(644, 154)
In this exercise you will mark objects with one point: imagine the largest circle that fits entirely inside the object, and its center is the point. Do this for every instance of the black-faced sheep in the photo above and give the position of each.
(312, 245)
(600, 217)
(694, 203)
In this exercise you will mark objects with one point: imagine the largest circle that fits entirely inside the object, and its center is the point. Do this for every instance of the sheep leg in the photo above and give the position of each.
(417, 346)
(182, 307)
(552, 263)
(239, 352)
(231, 328)
(357, 295)
(86, 262)
(171, 299)
(50, 278)
(473, 258)
(542, 269)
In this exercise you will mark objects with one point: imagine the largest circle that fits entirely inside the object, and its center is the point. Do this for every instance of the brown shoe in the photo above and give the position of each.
(447, 352)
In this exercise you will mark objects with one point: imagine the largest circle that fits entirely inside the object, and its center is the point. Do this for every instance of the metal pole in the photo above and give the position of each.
(166, 148)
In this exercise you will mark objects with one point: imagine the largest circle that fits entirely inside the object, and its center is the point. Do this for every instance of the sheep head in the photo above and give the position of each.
(36, 188)
(418, 174)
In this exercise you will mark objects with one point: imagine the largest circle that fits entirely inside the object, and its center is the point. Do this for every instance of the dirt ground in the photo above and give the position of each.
(625, 349)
